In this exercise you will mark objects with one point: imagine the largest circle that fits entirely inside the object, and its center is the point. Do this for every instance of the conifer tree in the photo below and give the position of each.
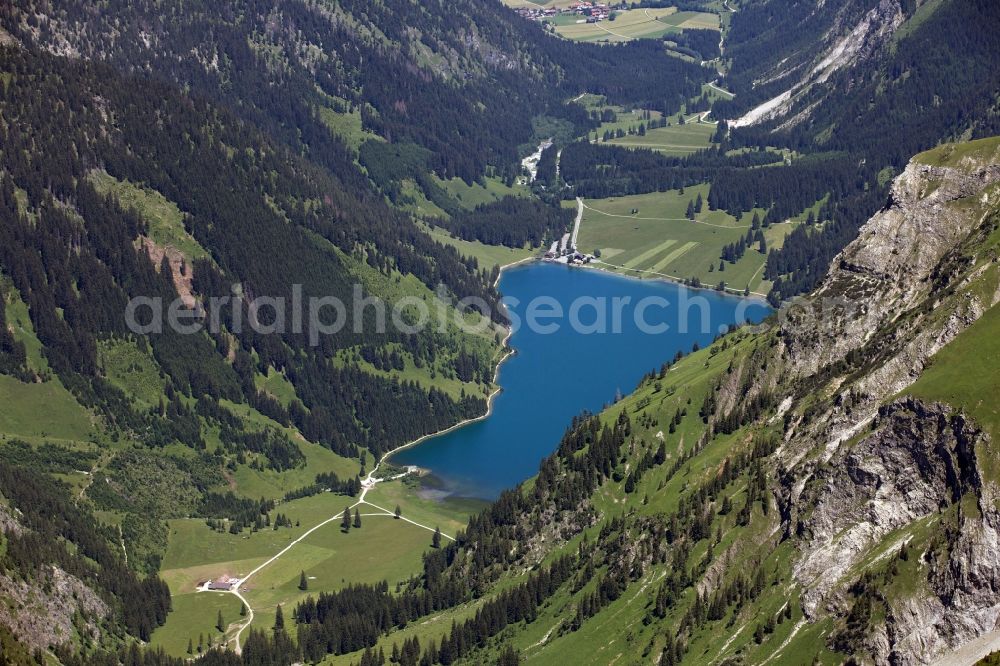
(279, 619)
(357, 518)
(509, 657)
(345, 521)
(219, 624)
(436, 540)
(399, 512)
(303, 583)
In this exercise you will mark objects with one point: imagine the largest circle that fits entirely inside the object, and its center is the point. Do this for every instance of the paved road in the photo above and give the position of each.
(721, 90)
(576, 224)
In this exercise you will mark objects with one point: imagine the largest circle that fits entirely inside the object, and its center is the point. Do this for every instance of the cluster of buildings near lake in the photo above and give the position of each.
(589, 12)
(564, 251)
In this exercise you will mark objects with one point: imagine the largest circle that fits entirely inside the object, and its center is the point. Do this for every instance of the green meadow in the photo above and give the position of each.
(254, 483)
(628, 25)
(346, 124)
(130, 366)
(692, 20)
(383, 548)
(676, 139)
(195, 615)
(423, 505)
(19, 321)
(276, 385)
(966, 373)
(658, 241)
(487, 256)
(62, 419)
(489, 190)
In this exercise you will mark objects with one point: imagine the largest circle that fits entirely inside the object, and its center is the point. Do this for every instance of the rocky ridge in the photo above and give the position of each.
(858, 474)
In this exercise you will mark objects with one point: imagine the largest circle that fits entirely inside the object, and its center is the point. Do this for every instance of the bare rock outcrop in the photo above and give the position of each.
(918, 459)
(887, 270)
(865, 464)
(50, 609)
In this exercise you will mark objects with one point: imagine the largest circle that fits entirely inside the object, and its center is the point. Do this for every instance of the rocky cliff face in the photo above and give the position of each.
(52, 607)
(890, 268)
(918, 461)
(861, 470)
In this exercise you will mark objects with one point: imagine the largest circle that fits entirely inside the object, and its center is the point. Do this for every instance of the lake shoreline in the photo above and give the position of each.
(507, 353)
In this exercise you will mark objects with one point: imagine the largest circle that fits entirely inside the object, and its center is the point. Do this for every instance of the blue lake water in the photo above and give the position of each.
(561, 369)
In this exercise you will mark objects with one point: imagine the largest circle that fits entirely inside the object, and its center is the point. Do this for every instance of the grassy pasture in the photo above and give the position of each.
(692, 20)
(450, 514)
(415, 202)
(487, 255)
(195, 615)
(347, 126)
(658, 241)
(628, 25)
(19, 321)
(677, 140)
(382, 549)
(966, 373)
(277, 385)
(192, 544)
(270, 483)
(132, 370)
(490, 190)
(61, 420)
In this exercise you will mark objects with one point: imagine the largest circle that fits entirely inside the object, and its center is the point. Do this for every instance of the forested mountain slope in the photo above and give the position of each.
(871, 81)
(438, 75)
(920, 69)
(821, 488)
(197, 153)
(113, 189)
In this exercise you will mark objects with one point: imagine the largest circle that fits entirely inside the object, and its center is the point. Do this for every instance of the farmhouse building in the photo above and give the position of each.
(224, 583)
